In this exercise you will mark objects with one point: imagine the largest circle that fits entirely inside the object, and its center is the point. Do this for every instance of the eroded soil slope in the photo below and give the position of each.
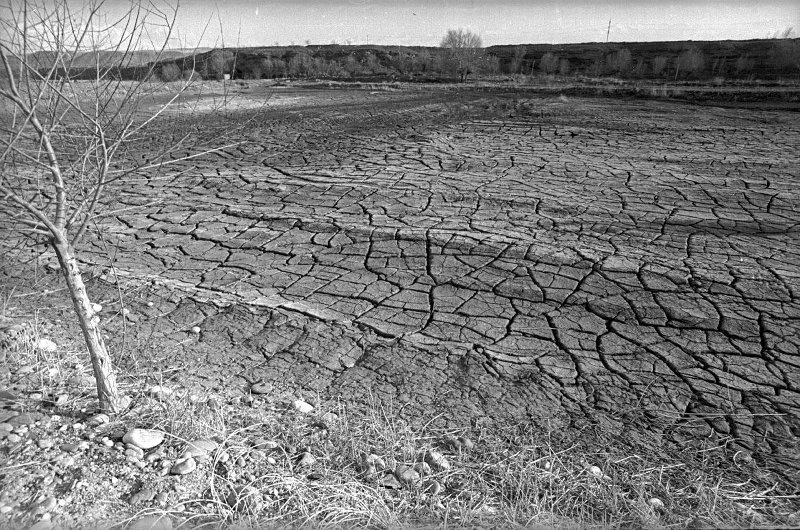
(632, 263)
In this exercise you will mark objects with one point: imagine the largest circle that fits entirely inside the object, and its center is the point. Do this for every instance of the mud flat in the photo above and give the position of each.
(629, 264)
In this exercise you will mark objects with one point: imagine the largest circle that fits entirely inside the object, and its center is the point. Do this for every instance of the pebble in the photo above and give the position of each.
(69, 447)
(261, 388)
(330, 418)
(390, 481)
(306, 460)
(45, 505)
(183, 467)
(406, 474)
(433, 487)
(656, 503)
(25, 418)
(143, 438)
(263, 443)
(143, 495)
(302, 407)
(46, 345)
(107, 442)
(98, 419)
(97, 307)
(134, 452)
(198, 448)
(6, 427)
(196, 330)
(5, 509)
(13, 438)
(159, 391)
(436, 460)
(422, 468)
(161, 498)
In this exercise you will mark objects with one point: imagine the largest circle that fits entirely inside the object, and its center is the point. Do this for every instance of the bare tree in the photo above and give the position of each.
(63, 142)
(464, 50)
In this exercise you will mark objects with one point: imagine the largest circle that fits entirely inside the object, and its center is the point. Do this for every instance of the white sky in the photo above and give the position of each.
(421, 22)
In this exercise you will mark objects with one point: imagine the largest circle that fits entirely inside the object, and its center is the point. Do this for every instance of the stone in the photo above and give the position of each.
(13, 438)
(245, 499)
(143, 438)
(330, 418)
(143, 495)
(26, 418)
(306, 460)
(406, 474)
(302, 407)
(6, 427)
(261, 388)
(198, 448)
(46, 345)
(656, 503)
(97, 307)
(422, 468)
(45, 443)
(45, 505)
(466, 443)
(134, 451)
(264, 444)
(152, 522)
(388, 480)
(436, 460)
(183, 467)
(98, 419)
(159, 391)
(196, 330)
(433, 487)
(69, 447)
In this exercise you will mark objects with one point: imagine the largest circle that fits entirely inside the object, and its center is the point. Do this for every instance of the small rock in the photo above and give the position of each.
(656, 503)
(390, 481)
(374, 461)
(302, 407)
(26, 418)
(143, 495)
(306, 460)
(5, 509)
(264, 444)
(150, 304)
(597, 472)
(45, 505)
(46, 345)
(98, 419)
(466, 443)
(6, 427)
(97, 307)
(107, 442)
(330, 418)
(134, 452)
(245, 499)
(422, 468)
(436, 460)
(13, 438)
(433, 487)
(261, 388)
(183, 467)
(198, 448)
(152, 522)
(405, 474)
(69, 447)
(143, 438)
(161, 498)
(196, 330)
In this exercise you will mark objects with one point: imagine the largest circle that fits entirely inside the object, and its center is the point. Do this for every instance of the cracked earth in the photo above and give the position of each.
(630, 264)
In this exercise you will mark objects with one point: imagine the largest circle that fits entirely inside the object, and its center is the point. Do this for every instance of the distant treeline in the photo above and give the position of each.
(766, 59)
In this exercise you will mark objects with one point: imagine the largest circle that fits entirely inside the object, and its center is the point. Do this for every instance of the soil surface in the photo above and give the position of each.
(634, 264)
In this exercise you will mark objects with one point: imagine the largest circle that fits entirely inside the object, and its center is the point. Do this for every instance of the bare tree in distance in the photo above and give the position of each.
(64, 142)
(464, 50)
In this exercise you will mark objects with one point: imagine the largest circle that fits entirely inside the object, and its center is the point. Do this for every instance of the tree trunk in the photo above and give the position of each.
(107, 392)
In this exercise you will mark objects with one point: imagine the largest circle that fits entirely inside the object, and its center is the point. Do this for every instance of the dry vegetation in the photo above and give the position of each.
(497, 475)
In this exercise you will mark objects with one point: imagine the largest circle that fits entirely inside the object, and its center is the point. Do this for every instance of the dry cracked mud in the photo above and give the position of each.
(632, 264)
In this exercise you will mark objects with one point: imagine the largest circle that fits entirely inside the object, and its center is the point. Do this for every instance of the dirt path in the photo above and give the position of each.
(632, 263)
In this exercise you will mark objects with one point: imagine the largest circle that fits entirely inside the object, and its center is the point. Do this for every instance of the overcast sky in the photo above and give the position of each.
(424, 22)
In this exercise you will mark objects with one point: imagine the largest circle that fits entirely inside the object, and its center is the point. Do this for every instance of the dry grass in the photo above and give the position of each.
(516, 476)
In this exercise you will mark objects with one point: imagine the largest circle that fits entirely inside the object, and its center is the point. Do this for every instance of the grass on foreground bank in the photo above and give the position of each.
(259, 475)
